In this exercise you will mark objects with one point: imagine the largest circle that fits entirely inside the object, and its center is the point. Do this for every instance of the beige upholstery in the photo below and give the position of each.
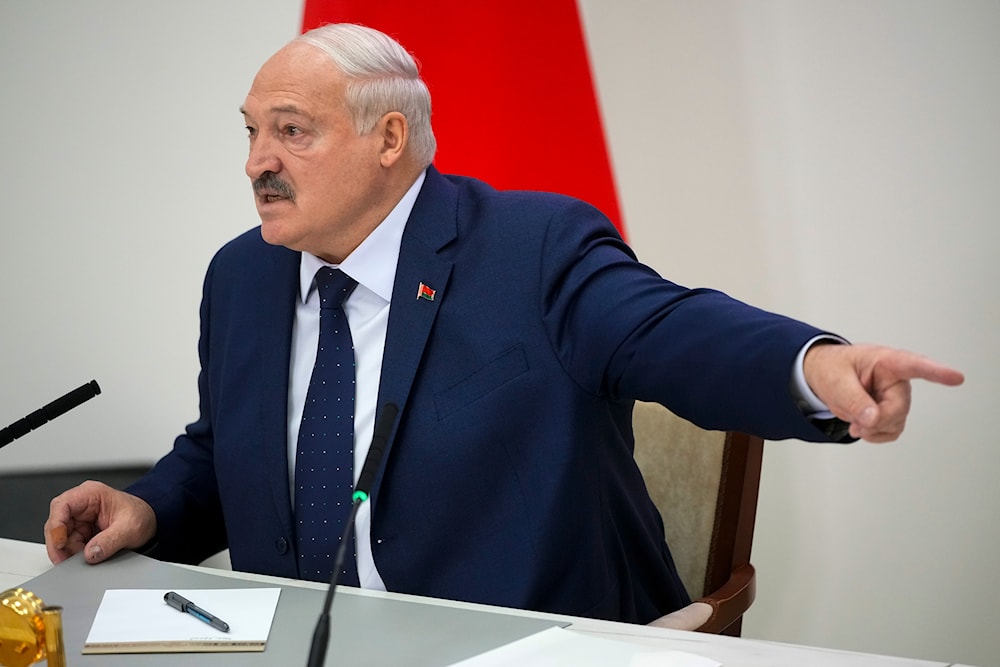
(704, 484)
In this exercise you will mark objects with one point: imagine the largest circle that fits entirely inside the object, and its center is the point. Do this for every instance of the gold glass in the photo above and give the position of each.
(29, 631)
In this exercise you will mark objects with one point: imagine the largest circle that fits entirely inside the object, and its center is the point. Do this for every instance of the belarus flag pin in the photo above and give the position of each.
(425, 292)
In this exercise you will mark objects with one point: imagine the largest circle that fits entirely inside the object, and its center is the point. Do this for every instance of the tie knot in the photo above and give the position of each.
(334, 286)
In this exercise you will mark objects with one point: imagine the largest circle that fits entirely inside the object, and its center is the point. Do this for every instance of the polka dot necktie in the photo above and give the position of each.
(324, 461)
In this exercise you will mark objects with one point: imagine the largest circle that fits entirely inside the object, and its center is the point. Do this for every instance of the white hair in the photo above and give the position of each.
(383, 77)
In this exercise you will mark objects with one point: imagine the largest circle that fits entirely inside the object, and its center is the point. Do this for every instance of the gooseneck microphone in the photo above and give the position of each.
(49, 412)
(380, 438)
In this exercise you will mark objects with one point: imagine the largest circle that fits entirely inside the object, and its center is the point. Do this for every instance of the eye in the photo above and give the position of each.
(293, 130)
(251, 131)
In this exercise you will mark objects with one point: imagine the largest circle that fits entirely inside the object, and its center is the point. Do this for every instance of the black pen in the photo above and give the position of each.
(182, 604)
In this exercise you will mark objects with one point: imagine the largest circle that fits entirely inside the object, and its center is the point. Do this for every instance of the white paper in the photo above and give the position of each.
(138, 615)
(559, 646)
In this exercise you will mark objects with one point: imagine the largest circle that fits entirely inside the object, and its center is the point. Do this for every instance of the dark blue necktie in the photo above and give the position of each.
(324, 461)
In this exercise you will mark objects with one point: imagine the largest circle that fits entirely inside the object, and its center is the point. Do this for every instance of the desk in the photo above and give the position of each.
(20, 561)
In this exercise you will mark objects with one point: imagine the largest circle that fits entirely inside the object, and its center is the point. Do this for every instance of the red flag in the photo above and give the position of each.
(511, 88)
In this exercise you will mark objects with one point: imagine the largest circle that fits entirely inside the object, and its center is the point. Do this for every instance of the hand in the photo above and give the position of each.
(869, 385)
(99, 520)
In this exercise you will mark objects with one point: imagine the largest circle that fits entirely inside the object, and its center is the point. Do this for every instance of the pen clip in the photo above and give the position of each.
(176, 601)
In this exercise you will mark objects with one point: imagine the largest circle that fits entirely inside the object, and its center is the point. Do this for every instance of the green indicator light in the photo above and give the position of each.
(360, 495)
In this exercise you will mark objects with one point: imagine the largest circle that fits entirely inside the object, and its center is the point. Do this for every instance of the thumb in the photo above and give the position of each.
(831, 371)
(865, 423)
(103, 546)
(849, 400)
(866, 416)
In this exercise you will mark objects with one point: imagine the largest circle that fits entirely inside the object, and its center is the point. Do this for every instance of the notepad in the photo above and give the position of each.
(139, 621)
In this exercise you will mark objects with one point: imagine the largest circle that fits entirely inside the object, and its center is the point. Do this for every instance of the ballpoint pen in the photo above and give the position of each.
(184, 605)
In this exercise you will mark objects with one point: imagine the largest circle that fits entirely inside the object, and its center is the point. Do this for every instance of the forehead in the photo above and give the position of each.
(298, 76)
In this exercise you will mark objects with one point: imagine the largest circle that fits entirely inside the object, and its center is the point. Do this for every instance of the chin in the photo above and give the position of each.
(273, 232)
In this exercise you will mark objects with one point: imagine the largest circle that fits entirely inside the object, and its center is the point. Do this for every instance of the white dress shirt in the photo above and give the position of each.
(373, 265)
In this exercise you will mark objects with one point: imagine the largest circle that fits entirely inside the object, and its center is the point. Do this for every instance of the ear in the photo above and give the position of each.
(395, 134)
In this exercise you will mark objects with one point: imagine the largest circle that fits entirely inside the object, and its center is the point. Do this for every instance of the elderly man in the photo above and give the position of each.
(513, 330)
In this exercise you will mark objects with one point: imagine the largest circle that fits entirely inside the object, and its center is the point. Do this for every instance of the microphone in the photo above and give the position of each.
(380, 438)
(49, 412)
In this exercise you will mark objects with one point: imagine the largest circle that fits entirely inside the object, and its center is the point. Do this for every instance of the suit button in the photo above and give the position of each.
(281, 544)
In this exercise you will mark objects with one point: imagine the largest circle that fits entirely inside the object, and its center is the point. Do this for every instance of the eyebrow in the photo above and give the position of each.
(287, 108)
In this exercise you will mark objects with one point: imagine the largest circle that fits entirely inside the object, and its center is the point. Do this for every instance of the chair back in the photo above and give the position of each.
(705, 485)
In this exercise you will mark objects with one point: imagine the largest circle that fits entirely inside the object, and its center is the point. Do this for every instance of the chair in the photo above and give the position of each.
(704, 483)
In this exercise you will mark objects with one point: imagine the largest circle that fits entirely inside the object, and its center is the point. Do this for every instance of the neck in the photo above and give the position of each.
(395, 186)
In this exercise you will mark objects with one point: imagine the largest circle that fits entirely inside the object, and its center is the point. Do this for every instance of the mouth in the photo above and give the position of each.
(266, 198)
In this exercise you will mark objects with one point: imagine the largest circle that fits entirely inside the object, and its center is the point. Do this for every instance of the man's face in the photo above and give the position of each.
(317, 183)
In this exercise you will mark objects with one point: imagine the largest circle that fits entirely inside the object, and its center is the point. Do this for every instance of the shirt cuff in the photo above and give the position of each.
(808, 402)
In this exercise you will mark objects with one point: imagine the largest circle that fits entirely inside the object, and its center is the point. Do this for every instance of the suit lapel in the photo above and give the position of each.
(432, 226)
(410, 321)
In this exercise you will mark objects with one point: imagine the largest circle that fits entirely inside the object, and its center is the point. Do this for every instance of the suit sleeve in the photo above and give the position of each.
(623, 331)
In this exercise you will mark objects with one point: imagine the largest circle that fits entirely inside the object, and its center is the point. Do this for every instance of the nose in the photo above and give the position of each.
(263, 157)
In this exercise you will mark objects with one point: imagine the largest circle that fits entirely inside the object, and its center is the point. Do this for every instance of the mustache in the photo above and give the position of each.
(271, 183)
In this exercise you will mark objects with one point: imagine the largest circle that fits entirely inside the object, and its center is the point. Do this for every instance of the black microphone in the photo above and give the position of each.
(50, 411)
(380, 438)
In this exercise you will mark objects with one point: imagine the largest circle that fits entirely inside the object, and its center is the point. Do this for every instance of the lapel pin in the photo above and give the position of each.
(425, 292)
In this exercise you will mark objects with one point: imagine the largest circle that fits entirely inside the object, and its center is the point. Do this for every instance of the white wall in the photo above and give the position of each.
(121, 172)
(833, 160)
(838, 161)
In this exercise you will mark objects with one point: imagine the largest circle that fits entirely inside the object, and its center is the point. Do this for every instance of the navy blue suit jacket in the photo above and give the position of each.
(509, 477)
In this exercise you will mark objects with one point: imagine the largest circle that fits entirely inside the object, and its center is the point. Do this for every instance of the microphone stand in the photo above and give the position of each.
(321, 635)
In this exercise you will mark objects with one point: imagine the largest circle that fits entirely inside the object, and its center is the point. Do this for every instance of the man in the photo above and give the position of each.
(508, 478)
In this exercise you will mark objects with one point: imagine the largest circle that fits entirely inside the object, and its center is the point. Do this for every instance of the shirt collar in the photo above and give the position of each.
(373, 263)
